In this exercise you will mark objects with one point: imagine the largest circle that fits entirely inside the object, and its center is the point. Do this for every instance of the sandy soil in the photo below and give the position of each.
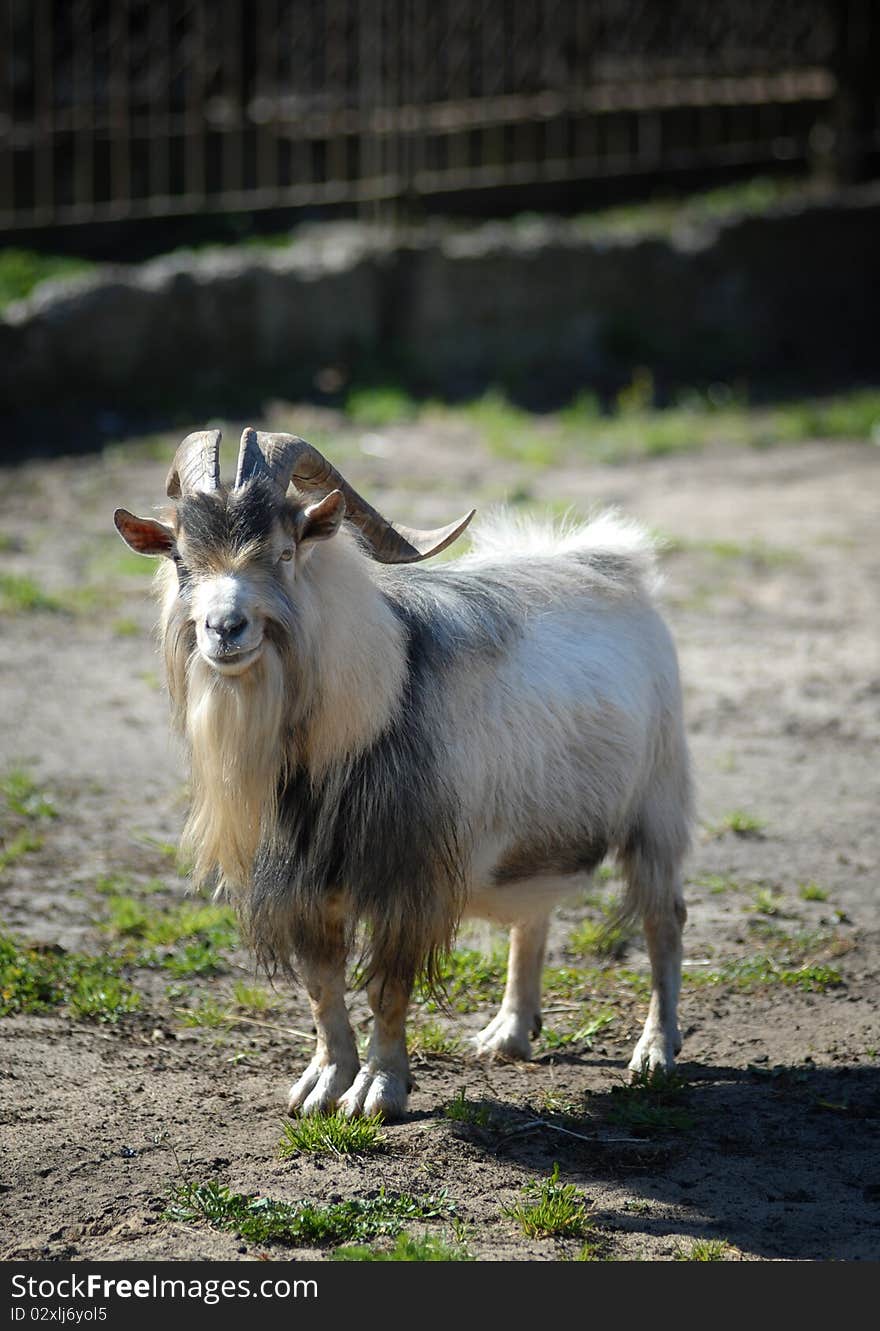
(772, 577)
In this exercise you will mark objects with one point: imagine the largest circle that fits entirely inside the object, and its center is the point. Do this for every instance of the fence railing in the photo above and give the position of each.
(136, 108)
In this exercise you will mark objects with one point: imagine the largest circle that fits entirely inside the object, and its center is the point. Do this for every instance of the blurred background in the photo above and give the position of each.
(153, 109)
(551, 198)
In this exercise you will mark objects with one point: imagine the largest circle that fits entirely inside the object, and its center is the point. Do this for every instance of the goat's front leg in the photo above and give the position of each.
(508, 1034)
(335, 1064)
(383, 1084)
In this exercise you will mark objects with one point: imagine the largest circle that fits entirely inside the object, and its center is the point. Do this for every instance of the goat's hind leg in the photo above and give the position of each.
(508, 1034)
(655, 890)
(335, 1063)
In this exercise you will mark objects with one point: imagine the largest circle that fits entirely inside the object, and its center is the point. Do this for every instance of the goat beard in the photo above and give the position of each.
(234, 725)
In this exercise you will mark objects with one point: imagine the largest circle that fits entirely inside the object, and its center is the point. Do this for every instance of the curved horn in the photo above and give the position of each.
(283, 458)
(196, 465)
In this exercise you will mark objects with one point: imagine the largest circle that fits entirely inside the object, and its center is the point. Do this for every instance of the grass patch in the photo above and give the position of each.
(120, 884)
(21, 271)
(253, 999)
(566, 982)
(187, 940)
(126, 628)
(473, 1113)
(432, 1040)
(37, 980)
(303, 1224)
(650, 1103)
(705, 1250)
(469, 980)
(607, 938)
(25, 803)
(20, 595)
(812, 892)
(551, 1209)
(634, 427)
(332, 1134)
(379, 407)
(594, 1251)
(763, 970)
(406, 1248)
(207, 1013)
(741, 823)
(22, 843)
(767, 902)
(662, 217)
(117, 561)
(584, 1034)
(508, 431)
(24, 797)
(718, 883)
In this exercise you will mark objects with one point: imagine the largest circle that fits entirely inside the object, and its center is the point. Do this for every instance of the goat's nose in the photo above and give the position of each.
(230, 625)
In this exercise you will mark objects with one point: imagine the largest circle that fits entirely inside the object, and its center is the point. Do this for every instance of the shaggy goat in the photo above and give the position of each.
(395, 747)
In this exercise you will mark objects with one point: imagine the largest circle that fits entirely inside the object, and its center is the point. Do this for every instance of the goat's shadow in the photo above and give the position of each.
(780, 1162)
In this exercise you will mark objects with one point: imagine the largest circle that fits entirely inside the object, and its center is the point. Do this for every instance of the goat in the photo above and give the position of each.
(379, 750)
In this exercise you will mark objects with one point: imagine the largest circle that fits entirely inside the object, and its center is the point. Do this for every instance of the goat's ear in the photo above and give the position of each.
(145, 535)
(320, 521)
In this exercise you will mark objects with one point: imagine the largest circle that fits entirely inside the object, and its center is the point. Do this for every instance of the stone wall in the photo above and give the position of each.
(539, 307)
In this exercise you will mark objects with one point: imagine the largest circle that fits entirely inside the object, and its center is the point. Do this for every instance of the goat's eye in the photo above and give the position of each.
(286, 554)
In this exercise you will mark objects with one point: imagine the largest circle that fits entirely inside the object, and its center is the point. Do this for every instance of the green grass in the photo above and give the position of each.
(433, 1040)
(26, 808)
(718, 883)
(126, 628)
(406, 1248)
(20, 596)
(23, 270)
(634, 427)
(23, 796)
(584, 1034)
(551, 1209)
(662, 217)
(607, 938)
(469, 979)
(812, 892)
(650, 1102)
(116, 561)
(566, 982)
(767, 902)
(332, 1134)
(303, 1224)
(594, 1251)
(378, 407)
(705, 1250)
(763, 970)
(34, 980)
(507, 430)
(208, 1013)
(21, 843)
(253, 999)
(120, 884)
(188, 939)
(473, 1113)
(95, 992)
(741, 823)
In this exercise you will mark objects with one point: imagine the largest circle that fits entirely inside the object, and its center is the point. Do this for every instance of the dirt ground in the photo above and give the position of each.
(772, 571)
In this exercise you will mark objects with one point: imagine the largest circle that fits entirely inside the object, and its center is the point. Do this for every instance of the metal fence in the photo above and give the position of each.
(135, 108)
